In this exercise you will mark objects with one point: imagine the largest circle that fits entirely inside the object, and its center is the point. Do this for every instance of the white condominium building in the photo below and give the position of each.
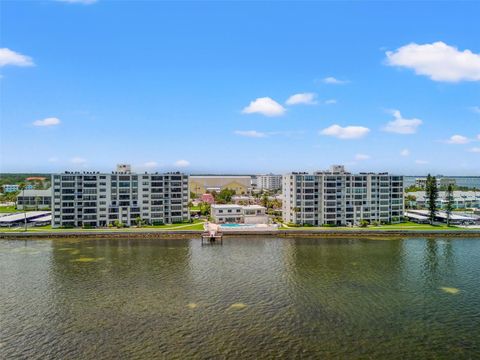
(336, 197)
(269, 182)
(97, 200)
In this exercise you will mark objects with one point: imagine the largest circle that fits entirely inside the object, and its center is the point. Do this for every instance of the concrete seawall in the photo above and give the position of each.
(277, 233)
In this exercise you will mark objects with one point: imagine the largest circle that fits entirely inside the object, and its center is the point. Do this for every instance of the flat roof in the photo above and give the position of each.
(21, 216)
(43, 218)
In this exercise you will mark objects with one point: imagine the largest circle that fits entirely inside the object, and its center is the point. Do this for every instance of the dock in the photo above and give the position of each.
(211, 236)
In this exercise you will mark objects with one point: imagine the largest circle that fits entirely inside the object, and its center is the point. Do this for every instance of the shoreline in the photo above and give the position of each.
(270, 233)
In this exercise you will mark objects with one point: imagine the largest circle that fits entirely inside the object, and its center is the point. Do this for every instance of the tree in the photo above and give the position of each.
(431, 191)
(204, 208)
(224, 196)
(22, 187)
(449, 202)
(139, 221)
(37, 202)
(410, 200)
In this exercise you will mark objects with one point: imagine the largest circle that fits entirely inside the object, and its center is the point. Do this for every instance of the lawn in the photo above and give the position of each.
(9, 209)
(196, 225)
(400, 227)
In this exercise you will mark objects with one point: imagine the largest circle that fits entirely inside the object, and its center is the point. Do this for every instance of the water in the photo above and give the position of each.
(252, 298)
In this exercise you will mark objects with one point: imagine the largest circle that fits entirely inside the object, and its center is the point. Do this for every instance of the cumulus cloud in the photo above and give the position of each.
(51, 121)
(10, 57)
(150, 164)
(438, 61)
(347, 132)
(182, 163)
(401, 125)
(302, 98)
(361, 157)
(405, 152)
(250, 133)
(78, 160)
(458, 139)
(335, 81)
(265, 106)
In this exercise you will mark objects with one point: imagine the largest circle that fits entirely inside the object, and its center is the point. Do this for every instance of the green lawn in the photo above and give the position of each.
(196, 225)
(8, 209)
(402, 226)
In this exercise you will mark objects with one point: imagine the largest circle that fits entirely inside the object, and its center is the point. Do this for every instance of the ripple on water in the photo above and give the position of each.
(450, 290)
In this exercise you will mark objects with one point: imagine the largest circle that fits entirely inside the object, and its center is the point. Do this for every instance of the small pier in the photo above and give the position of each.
(212, 236)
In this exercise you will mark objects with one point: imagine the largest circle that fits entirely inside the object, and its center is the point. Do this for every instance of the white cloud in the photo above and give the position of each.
(302, 98)
(405, 152)
(401, 125)
(347, 132)
(475, 109)
(332, 80)
(438, 61)
(475, 150)
(53, 159)
(421, 162)
(250, 133)
(86, 2)
(182, 163)
(9, 57)
(265, 106)
(150, 164)
(78, 160)
(361, 157)
(458, 139)
(52, 121)
(478, 136)
(330, 102)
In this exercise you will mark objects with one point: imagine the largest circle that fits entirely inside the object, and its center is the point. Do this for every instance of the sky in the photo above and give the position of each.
(240, 87)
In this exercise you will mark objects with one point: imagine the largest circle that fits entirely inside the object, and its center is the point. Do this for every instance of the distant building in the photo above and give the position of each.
(207, 198)
(468, 182)
(99, 199)
(441, 182)
(34, 199)
(337, 197)
(231, 213)
(9, 188)
(200, 184)
(269, 182)
(461, 199)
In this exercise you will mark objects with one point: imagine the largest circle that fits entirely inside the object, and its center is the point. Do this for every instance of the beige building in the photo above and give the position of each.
(231, 213)
(201, 184)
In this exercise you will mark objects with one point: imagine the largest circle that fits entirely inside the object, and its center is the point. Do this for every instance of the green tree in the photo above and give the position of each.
(37, 202)
(431, 191)
(204, 208)
(224, 196)
(410, 200)
(449, 202)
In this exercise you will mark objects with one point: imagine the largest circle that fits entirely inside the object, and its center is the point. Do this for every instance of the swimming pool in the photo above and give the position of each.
(233, 225)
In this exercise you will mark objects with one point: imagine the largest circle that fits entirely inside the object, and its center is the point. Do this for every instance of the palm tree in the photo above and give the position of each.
(21, 187)
(449, 202)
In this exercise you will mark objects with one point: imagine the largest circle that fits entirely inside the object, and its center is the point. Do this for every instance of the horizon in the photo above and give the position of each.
(230, 88)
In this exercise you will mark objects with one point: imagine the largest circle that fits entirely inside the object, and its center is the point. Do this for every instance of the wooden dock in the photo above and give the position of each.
(211, 237)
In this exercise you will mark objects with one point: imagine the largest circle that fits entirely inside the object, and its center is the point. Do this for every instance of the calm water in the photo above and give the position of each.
(252, 298)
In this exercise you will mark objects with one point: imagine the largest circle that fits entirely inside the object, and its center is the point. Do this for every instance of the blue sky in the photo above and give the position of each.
(208, 87)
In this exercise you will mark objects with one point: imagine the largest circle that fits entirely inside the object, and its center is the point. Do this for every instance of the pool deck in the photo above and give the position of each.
(143, 233)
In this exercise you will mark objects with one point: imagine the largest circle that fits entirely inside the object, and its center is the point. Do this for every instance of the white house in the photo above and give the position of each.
(231, 213)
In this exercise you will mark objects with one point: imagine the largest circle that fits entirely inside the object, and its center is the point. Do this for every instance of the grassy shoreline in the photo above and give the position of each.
(196, 230)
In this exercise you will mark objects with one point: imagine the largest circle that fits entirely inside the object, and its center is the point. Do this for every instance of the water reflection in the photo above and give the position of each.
(250, 298)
